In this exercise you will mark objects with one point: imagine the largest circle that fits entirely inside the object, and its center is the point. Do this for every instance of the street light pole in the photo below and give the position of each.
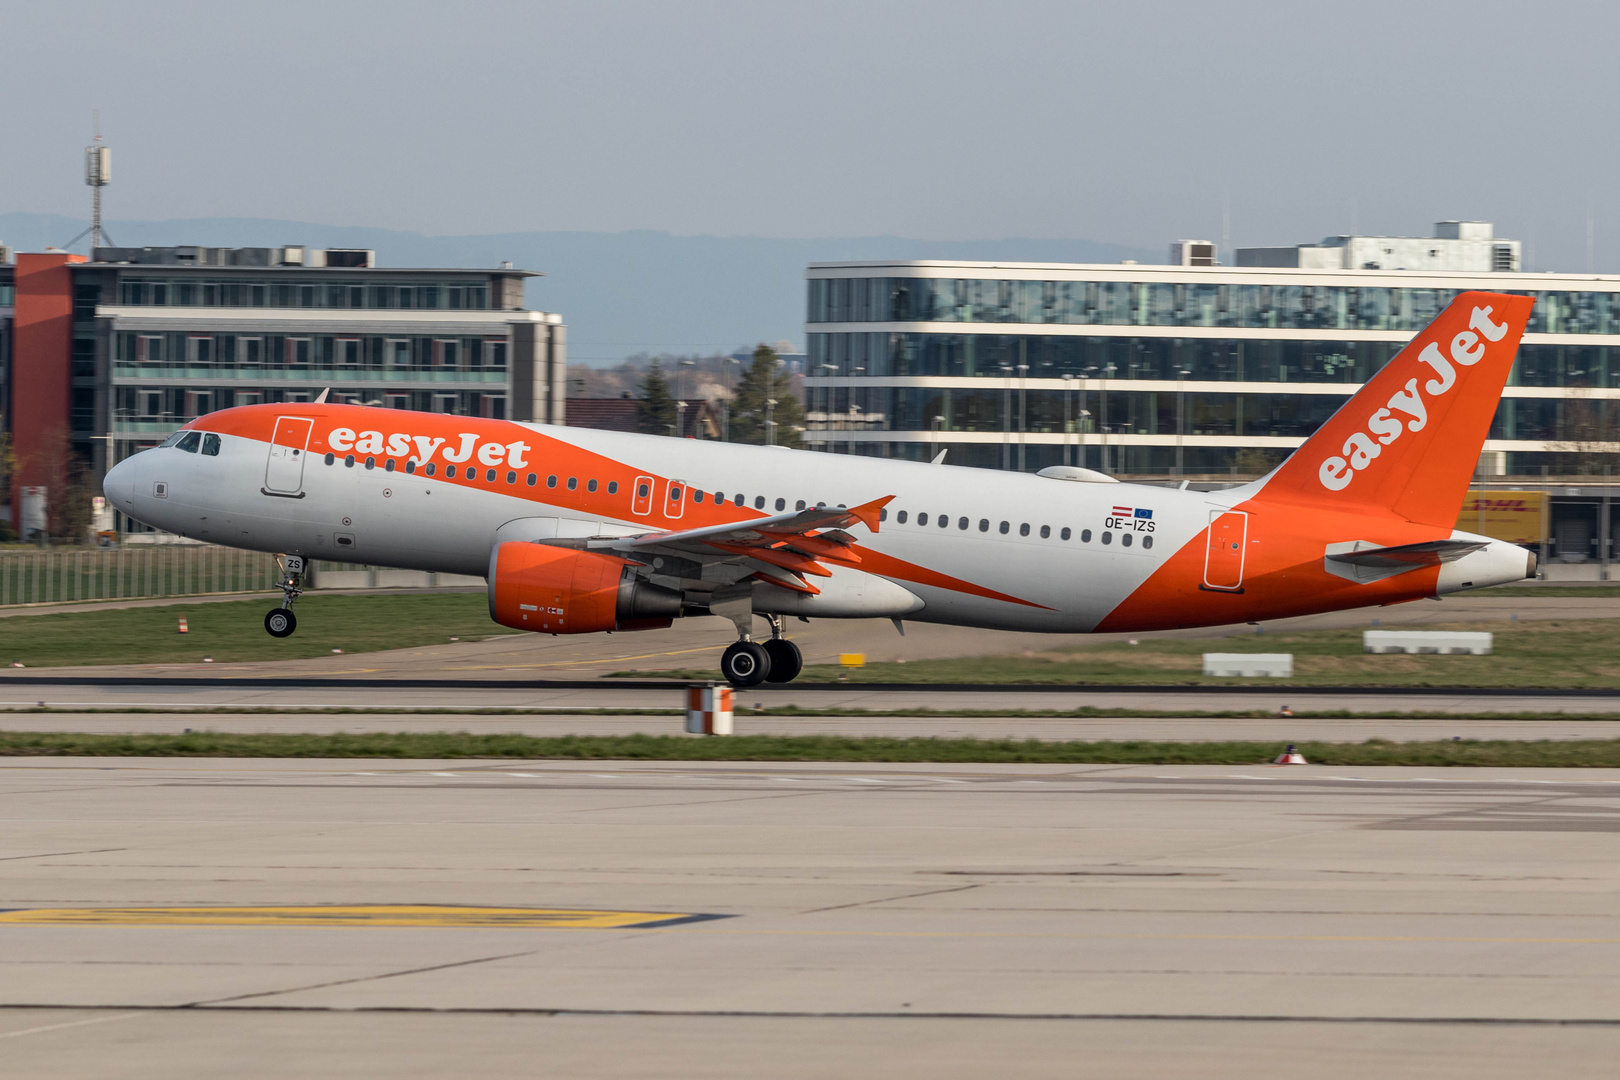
(826, 407)
(1006, 416)
(770, 424)
(1181, 414)
(1106, 372)
(1068, 381)
(852, 410)
(1023, 413)
(1090, 370)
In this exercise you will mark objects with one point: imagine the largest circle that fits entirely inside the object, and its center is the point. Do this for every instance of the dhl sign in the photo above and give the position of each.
(1515, 516)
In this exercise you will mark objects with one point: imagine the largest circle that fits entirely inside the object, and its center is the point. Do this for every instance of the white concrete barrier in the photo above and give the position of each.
(1278, 665)
(1444, 642)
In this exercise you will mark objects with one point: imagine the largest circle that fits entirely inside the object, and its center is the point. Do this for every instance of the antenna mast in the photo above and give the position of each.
(97, 172)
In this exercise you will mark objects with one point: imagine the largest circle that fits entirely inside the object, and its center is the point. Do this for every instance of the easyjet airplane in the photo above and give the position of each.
(581, 531)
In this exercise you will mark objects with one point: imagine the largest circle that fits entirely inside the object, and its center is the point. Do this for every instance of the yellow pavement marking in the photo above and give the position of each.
(433, 915)
(581, 663)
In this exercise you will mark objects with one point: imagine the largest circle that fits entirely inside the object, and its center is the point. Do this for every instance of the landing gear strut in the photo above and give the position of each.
(281, 622)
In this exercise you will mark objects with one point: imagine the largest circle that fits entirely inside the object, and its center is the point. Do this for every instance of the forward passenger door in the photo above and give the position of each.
(289, 446)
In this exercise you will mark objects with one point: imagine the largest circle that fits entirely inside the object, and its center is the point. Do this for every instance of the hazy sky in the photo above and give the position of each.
(1126, 123)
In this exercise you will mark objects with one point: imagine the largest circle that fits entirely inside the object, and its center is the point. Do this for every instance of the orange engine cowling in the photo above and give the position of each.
(554, 590)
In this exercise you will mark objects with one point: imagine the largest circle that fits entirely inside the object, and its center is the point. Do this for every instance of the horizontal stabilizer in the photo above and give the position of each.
(1361, 560)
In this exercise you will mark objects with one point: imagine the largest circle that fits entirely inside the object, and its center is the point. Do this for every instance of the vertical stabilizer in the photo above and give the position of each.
(1408, 442)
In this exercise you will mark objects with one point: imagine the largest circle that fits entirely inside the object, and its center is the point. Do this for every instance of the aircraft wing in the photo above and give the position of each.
(783, 549)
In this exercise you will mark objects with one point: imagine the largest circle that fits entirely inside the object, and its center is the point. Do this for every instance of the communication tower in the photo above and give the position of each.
(97, 174)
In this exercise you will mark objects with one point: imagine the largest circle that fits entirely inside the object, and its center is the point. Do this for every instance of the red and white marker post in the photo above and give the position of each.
(708, 709)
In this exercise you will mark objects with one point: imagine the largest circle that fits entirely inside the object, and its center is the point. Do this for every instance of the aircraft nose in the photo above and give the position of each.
(119, 484)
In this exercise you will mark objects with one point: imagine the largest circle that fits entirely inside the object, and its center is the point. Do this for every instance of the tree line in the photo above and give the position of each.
(763, 409)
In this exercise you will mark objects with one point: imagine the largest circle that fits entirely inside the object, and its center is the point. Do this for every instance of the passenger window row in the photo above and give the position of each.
(1005, 528)
(719, 498)
(491, 476)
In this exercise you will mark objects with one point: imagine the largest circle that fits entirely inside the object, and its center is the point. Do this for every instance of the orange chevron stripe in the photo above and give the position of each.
(888, 566)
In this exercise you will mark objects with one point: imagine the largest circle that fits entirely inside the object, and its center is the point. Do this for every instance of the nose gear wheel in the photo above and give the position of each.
(281, 622)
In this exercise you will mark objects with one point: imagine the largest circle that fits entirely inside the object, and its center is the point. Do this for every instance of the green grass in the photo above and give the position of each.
(234, 630)
(1597, 753)
(1573, 653)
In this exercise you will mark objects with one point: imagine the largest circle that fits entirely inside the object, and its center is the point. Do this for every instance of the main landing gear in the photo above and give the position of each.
(749, 663)
(281, 622)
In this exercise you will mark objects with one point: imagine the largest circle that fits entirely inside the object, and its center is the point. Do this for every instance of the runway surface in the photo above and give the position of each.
(316, 694)
(1279, 730)
(876, 920)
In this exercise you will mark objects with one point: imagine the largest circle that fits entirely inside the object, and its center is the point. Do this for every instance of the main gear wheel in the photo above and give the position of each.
(745, 663)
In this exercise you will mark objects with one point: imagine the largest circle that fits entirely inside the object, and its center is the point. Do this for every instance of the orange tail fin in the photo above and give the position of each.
(1409, 440)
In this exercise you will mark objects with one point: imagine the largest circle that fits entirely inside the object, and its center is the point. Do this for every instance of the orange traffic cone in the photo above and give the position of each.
(1291, 756)
(183, 629)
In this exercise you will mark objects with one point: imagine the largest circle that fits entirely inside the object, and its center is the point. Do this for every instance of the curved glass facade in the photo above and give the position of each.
(1198, 359)
(1021, 394)
(1139, 303)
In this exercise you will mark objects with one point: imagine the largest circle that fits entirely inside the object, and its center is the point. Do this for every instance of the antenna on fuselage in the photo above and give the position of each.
(321, 398)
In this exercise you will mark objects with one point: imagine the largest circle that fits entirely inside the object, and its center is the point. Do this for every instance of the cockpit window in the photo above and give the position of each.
(210, 447)
(188, 442)
(172, 439)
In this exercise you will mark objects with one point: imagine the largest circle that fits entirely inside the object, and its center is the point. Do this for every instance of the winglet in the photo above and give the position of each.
(868, 514)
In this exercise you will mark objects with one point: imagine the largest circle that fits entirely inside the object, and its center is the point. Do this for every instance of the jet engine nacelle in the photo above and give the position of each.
(554, 590)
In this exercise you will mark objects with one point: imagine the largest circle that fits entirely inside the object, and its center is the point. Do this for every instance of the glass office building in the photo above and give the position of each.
(1175, 370)
(111, 354)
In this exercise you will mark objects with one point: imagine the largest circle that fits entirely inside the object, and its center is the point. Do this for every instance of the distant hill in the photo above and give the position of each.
(620, 293)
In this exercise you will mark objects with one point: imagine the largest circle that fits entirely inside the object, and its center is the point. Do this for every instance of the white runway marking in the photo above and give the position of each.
(68, 1024)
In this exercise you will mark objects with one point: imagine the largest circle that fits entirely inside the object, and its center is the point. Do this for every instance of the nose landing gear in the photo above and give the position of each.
(281, 622)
